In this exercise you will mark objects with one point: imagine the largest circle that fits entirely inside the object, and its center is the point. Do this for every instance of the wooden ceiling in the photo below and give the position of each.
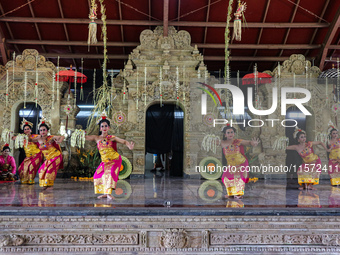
(275, 29)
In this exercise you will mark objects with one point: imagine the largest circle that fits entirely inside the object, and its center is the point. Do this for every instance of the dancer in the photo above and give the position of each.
(236, 174)
(309, 171)
(29, 167)
(106, 176)
(7, 165)
(334, 156)
(49, 146)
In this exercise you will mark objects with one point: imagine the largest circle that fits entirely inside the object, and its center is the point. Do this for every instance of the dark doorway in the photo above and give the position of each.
(164, 135)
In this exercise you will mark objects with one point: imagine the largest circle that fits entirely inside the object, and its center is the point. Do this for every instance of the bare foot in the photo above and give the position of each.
(300, 188)
(312, 188)
(109, 197)
(102, 196)
(238, 197)
(46, 187)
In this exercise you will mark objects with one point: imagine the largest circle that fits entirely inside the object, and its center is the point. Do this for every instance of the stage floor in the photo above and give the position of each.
(159, 194)
(162, 215)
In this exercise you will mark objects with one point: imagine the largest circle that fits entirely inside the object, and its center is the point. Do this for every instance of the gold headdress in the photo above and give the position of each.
(25, 122)
(330, 127)
(297, 130)
(44, 121)
(103, 116)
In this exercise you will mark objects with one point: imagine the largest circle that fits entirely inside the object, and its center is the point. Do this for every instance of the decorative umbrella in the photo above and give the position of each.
(330, 74)
(262, 78)
(70, 76)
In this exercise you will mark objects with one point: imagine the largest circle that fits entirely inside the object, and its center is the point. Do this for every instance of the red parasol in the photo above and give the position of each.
(262, 78)
(69, 75)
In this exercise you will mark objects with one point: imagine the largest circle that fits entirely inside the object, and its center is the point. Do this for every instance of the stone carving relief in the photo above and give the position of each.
(16, 240)
(11, 240)
(174, 238)
(28, 61)
(225, 239)
(154, 40)
(296, 64)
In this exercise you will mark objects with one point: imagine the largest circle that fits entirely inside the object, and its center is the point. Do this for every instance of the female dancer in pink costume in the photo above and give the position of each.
(7, 165)
(49, 146)
(106, 176)
(334, 156)
(236, 174)
(309, 171)
(29, 167)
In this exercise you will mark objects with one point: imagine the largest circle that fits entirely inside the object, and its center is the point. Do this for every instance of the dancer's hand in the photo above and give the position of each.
(254, 142)
(130, 145)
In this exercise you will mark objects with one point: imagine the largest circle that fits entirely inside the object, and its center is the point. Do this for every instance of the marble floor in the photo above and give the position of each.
(159, 191)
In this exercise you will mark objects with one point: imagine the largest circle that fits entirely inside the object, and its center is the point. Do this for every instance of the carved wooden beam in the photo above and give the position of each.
(328, 39)
(199, 45)
(206, 58)
(160, 23)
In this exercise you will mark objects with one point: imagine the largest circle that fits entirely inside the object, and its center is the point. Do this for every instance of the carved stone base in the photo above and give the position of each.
(170, 234)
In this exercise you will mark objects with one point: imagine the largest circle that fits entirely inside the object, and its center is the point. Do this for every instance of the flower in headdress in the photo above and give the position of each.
(297, 130)
(103, 116)
(44, 121)
(5, 145)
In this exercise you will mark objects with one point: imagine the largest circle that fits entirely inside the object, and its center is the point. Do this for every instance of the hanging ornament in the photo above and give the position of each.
(94, 86)
(160, 85)
(145, 84)
(20, 141)
(25, 92)
(137, 97)
(75, 88)
(112, 86)
(124, 87)
(237, 34)
(7, 78)
(13, 71)
(78, 138)
(119, 118)
(281, 143)
(36, 82)
(53, 78)
(177, 85)
(81, 85)
(6, 135)
(210, 143)
(326, 90)
(58, 78)
(92, 38)
(294, 84)
(184, 82)
(256, 88)
(338, 80)
(226, 46)
(208, 119)
(336, 107)
(68, 109)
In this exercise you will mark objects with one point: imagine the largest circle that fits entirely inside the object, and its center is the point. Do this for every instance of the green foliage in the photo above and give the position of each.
(88, 161)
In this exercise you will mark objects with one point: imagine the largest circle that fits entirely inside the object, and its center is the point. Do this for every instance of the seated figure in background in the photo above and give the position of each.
(7, 165)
